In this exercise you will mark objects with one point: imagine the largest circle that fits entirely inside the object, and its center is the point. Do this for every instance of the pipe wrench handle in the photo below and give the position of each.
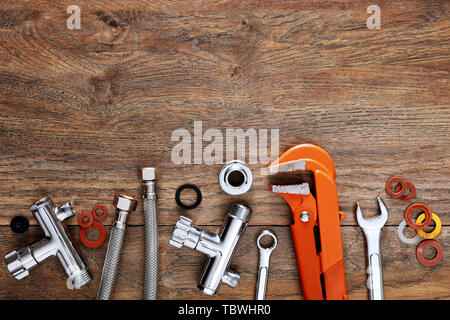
(307, 260)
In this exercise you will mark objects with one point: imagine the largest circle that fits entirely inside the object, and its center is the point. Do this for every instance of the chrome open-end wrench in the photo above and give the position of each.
(372, 230)
(263, 266)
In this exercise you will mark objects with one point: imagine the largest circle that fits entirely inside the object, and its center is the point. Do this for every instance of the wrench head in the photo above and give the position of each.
(270, 234)
(373, 223)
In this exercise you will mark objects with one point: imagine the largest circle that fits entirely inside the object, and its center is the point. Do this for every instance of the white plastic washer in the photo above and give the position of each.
(227, 169)
(401, 228)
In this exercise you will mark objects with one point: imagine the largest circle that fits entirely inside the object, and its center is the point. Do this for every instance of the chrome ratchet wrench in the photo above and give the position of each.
(372, 230)
(263, 266)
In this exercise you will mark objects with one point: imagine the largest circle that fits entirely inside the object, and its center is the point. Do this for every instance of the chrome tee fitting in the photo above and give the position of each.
(218, 247)
(55, 243)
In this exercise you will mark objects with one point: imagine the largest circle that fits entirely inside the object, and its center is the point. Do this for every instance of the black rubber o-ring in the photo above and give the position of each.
(192, 187)
(19, 224)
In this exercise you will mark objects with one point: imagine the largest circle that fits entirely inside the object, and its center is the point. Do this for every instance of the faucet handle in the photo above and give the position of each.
(180, 232)
(231, 278)
(185, 234)
(15, 265)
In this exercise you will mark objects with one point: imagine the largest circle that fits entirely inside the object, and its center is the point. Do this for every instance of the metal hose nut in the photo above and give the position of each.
(151, 234)
(124, 205)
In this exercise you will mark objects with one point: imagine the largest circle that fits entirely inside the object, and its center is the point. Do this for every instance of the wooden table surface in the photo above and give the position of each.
(82, 110)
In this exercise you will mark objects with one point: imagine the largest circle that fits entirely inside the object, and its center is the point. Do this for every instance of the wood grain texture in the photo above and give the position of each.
(82, 110)
(180, 269)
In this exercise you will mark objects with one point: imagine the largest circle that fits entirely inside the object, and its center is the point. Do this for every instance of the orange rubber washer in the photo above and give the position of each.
(82, 223)
(412, 191)
(104, 210)
(100, 240)
(396, 193)
(429, 262)
(411, 209)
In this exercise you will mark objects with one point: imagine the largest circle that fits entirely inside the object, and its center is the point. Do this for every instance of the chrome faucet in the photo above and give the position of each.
(56, 242)
(218, 247)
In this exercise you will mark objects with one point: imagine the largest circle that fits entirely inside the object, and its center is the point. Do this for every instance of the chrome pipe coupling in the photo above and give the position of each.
(55, 243)
(218, 247)
(235, 178)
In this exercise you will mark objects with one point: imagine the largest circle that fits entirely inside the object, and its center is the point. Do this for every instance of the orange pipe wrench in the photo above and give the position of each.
(316, 231)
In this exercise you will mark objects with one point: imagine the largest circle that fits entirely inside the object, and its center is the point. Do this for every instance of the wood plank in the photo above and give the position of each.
(180, 269)
(82, 110)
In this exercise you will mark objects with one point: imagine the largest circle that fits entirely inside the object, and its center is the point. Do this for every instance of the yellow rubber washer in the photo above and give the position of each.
(437, 229)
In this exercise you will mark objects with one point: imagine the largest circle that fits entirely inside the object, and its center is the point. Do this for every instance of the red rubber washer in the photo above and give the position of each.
(100, 240)
(395, 194)
(411, 209)
(88, 215)
(412, 191)
(104, 210)
(429, 262)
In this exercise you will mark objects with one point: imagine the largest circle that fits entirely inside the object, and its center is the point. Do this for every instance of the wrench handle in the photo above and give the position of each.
(261, 284)
(376, 277)
(375, 281)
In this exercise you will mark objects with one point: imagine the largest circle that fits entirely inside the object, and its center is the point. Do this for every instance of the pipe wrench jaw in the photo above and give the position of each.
(305, 237)
(303, 157)
(300, 201)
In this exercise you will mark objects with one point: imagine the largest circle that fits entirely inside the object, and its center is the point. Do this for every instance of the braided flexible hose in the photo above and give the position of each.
(111, 264)
(151, 247)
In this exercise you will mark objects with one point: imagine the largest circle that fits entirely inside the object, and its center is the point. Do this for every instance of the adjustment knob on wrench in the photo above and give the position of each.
(263, 266)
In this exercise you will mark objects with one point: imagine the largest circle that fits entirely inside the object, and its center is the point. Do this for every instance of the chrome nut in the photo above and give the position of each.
(148, 174)
(125, 203)
(235, 177)
(65, 211)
